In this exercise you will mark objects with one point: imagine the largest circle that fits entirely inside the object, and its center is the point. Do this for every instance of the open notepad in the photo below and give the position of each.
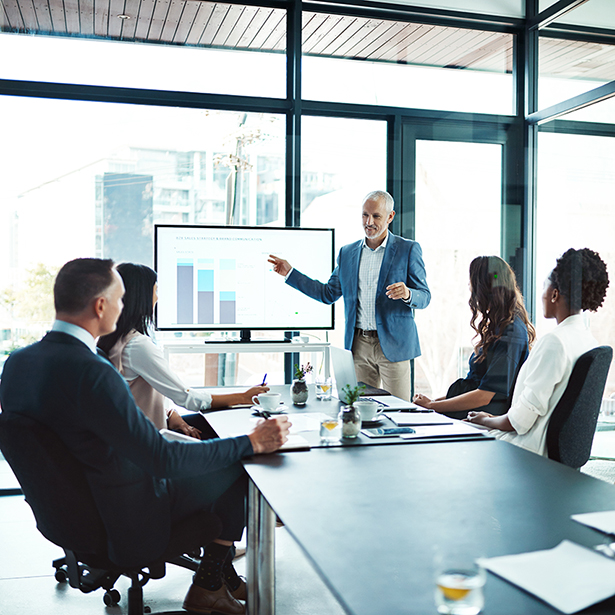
(294, 443)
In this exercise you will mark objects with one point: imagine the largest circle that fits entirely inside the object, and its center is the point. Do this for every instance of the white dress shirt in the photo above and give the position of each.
(542, 380)
(76, 331)
(141, 357)
(369, 272)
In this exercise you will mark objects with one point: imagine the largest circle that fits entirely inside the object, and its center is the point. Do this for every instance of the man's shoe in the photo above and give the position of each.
(199, 600)
(241, 593)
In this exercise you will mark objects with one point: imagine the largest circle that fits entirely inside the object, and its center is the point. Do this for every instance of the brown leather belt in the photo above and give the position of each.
(366, 333)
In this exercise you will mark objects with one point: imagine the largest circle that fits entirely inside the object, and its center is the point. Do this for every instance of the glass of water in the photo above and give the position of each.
(459, 586)
(323, 388)
(330, 430)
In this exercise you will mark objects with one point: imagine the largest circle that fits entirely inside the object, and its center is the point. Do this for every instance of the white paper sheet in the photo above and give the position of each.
(568, 577)
(602, 521)
(419, 418)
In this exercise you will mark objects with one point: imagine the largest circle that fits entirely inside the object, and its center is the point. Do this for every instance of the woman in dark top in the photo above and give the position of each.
(504, 335)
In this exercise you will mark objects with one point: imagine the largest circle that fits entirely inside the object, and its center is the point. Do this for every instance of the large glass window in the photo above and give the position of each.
(207, 47)
(576, 209)
(84, 179)
(342, 160)
(380, 62)
(458, 217)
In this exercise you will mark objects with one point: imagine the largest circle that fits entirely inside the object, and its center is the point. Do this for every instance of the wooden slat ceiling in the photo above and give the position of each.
(214, 24)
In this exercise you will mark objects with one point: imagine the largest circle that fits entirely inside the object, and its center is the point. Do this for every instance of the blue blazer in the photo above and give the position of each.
(62, 384)
(402, 262)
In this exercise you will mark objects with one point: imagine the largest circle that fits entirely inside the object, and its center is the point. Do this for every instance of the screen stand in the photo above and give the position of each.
(245, 337)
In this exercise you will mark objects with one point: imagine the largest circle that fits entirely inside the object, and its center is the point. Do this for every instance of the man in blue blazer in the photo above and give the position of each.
(141, 483)
(382, 279)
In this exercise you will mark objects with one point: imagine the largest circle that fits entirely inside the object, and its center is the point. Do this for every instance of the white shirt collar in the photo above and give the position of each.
(79, 332)
(383, 245)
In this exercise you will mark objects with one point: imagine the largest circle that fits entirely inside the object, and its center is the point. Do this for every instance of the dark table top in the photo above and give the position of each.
(371, 518)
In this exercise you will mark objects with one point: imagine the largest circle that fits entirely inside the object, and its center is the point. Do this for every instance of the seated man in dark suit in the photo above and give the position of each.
(141, 483)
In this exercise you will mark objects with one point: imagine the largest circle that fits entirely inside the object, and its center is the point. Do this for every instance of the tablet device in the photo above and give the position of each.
(386, 432)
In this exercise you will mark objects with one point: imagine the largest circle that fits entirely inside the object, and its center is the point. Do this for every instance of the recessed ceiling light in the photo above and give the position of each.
(123, 16)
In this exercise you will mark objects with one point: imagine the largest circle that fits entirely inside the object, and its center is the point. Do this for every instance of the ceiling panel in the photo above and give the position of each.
(220, 25)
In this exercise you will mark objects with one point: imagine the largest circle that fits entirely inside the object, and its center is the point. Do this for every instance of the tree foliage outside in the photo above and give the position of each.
(28, 308)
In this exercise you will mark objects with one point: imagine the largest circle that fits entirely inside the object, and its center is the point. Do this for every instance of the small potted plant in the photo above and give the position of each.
(299, 388)
(349, 416)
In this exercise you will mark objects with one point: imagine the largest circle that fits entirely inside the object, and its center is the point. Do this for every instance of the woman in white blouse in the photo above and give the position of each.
(143, 365)
(578, 282)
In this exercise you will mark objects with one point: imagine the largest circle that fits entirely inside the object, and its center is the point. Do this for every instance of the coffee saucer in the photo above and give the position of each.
(373, 422)
(281, 409)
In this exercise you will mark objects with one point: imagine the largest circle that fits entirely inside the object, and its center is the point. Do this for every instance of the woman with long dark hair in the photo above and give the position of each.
(503, 336)
(143, 365)
(578, 282)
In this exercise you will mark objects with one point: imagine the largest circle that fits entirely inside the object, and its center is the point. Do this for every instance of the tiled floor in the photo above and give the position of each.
(28, 587)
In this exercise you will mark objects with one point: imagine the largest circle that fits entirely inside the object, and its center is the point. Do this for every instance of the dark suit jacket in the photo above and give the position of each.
(402, 262)
(61, 383)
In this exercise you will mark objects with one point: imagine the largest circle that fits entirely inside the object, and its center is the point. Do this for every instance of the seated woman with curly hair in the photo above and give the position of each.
(578, 282)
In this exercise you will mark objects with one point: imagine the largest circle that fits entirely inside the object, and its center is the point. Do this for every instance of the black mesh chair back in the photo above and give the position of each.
(57, 491)
(53, 484)
(573, 423)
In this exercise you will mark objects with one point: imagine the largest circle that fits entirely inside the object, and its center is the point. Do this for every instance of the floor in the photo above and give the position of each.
(27, 584)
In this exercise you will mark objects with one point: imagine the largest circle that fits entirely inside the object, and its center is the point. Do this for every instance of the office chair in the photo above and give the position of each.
(56, 489)
(573, 423)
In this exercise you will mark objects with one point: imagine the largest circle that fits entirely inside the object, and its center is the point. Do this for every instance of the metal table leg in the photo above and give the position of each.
(260, 554)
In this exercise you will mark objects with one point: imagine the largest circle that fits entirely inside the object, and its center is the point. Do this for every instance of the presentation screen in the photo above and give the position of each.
(218, 277)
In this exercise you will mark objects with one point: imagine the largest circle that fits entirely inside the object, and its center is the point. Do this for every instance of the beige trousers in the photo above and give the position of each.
(375, 369)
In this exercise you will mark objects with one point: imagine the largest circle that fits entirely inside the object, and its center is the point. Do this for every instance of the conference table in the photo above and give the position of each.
(370, 519)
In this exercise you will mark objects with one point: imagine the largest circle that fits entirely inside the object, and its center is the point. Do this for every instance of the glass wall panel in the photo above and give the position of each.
(569, 68)
(592, 14)
(82, 179)
(458, 217)
(576, 209)
(197, 47)
(380, 62)
(342, 160)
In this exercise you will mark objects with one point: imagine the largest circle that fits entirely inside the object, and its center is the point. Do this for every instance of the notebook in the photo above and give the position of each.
(345, 374)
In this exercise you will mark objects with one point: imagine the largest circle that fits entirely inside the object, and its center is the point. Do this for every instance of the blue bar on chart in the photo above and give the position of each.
(185, 291)
(228, 287)
(205, 291)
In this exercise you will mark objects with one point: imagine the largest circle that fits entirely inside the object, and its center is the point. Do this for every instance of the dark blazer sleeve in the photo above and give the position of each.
(328, 292)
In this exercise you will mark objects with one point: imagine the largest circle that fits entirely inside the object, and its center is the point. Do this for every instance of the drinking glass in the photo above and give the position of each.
(323, 388)
(459, 586)
(330, 430)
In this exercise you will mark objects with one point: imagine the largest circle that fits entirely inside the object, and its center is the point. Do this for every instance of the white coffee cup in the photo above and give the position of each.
(368, 408)
(268, 401)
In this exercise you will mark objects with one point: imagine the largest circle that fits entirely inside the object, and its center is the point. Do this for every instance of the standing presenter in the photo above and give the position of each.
(382, 279)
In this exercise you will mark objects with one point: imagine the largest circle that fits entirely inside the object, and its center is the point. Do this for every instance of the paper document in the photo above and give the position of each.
(457, 429)
(601, 521)
(419, 418)
(174, 436)
(568, 577)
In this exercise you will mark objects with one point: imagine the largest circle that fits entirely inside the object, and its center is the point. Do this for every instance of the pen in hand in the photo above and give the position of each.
(264, 380)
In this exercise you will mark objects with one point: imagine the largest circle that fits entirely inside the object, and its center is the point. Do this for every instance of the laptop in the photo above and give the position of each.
(345, 374)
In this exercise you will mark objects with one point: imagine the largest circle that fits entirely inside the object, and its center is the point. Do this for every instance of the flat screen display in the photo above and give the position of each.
(218, 277)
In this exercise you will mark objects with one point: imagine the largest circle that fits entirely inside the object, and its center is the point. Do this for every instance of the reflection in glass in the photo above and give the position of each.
(576, 209)
(458, 211)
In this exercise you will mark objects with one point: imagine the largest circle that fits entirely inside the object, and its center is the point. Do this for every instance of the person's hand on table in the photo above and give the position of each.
(279, 265)
(269, 434)
(176, 423)
(422, 400)
(398, 291)
(250, 393)
(478, 418)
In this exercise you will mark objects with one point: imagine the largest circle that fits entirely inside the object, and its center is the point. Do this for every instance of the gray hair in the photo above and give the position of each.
(381, 195)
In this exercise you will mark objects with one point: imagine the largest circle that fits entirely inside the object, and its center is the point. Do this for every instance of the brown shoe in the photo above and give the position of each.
(241, 593)
(199, 600)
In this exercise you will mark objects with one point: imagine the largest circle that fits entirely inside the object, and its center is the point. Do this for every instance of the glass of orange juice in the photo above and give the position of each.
(459, 586)
(330, 430)
(323, 388)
